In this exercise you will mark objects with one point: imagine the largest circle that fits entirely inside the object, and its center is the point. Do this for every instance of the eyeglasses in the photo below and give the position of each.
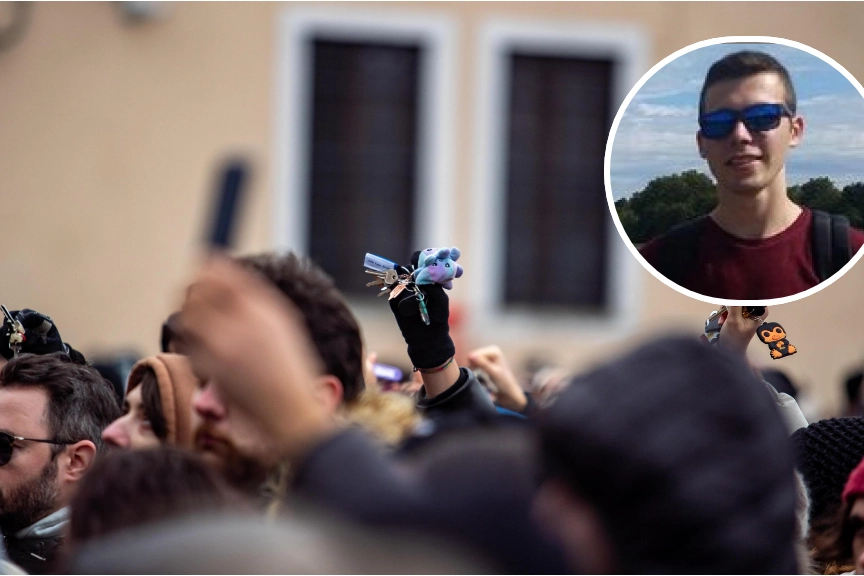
(7, 441)
(757, 118)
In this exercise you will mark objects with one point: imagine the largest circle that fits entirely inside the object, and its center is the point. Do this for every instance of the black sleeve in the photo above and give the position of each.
(465, 396)
(352, 475)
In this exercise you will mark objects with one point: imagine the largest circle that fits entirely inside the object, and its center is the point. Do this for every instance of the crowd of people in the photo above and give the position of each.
(258, 441)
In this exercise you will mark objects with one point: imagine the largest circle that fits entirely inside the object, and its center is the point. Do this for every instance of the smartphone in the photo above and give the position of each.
(387, 373)
(227, 203)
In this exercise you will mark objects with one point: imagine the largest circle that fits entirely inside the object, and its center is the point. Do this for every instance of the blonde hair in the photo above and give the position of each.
(388, 417)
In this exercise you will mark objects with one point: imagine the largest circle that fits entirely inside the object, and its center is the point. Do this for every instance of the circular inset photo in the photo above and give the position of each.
(735, 170)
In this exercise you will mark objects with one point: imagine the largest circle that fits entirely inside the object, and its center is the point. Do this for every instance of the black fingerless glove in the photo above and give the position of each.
(429, 346)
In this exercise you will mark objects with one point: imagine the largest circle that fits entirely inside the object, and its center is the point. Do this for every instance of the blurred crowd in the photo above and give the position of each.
(265, 439)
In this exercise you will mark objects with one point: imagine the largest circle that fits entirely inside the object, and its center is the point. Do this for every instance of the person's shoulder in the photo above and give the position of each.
(856, 240)
(652, 249)
(683, 233)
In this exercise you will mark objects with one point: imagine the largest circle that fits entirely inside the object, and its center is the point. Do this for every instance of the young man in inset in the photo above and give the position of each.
(756, 243)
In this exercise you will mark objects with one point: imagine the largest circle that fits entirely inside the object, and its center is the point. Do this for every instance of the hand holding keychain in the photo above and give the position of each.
(770, 333)
(418, 301)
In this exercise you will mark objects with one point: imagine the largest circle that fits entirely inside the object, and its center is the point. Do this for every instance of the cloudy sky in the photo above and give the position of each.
(657, 134)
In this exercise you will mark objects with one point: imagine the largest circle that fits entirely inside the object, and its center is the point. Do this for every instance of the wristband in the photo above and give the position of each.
(434, 370)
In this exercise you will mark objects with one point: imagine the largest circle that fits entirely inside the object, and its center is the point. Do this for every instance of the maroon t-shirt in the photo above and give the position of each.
(751, 269)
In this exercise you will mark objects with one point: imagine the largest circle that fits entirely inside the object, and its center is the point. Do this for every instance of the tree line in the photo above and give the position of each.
(670, 200)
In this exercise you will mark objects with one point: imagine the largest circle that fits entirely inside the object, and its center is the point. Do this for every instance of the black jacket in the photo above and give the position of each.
(471, 480)
(34, 555)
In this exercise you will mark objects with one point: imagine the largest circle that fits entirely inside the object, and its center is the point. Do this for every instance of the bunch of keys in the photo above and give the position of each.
(712, 324)
(16, 338)
(387, 275)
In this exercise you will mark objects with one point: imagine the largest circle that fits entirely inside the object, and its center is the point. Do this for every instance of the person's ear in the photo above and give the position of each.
(575, 525)
(77, 460)
(699, 143)
(797, 131)
(329, 392)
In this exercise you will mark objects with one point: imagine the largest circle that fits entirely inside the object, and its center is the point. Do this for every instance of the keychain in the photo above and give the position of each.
(435, 266)
(393, 279)
(770, 333)
(774, 336)
(16, 336)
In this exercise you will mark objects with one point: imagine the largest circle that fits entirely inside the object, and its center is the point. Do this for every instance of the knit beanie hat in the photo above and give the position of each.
(176, 383)
(683, 456)
(826, 452)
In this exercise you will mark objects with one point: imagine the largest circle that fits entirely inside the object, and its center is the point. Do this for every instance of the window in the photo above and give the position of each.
(549, 256)
(364, 145)
(364, 118)
(557, 215)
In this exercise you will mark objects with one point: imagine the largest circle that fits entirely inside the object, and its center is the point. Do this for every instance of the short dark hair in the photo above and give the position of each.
(744, 64)
(151, 399)
(170, 333)
(129, 488)
(331, 324)
(853, 386)
(81, 403)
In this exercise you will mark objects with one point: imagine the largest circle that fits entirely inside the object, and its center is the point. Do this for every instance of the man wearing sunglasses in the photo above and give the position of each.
(756, 243)
(52, 413)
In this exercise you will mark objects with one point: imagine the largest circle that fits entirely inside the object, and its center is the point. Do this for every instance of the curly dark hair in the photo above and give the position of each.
(129, 488)
(331, 324)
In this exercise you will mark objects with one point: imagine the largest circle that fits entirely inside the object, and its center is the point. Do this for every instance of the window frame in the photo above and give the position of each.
(627, 47)
(435, 36)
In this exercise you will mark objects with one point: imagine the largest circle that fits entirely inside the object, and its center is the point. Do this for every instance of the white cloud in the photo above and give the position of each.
(657, 133)
(653, 110)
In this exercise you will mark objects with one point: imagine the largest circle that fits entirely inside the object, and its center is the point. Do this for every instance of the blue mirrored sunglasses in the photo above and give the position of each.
(719, 124)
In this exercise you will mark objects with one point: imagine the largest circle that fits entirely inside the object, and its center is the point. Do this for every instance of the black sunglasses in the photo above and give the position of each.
(7, 441)
(757, 118)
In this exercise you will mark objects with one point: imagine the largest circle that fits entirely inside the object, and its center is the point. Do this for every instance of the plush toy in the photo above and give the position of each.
(438, 266)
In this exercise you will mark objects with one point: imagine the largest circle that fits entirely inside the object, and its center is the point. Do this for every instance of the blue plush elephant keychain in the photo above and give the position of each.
(438, 266)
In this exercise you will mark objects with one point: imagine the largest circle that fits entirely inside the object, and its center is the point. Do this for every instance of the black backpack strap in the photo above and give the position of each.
(678, 251)
(829, 243)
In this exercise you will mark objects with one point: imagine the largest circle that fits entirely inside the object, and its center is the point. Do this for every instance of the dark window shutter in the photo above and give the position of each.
(557, 217)
(363, 162)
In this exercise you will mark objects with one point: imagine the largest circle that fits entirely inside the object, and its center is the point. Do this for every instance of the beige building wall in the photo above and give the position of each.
(110, 132)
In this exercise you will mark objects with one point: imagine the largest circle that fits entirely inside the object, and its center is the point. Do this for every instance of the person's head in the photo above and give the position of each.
(671, 459)
(126, 489)
(853, 387)
(748, 120)
(236, 443)
(40, 336)
(780, 381)
(842, 543)
(158, 405)
(170, 340)
(826, 452)
(66, 405)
